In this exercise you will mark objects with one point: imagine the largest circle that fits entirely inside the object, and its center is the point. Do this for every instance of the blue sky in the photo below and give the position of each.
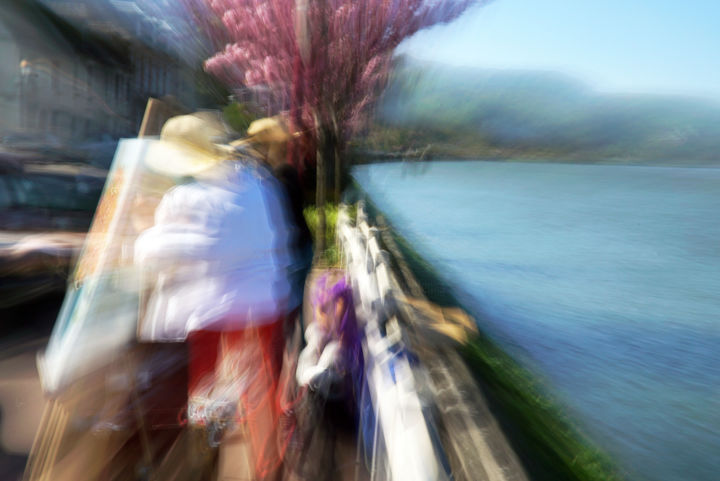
(649, 46)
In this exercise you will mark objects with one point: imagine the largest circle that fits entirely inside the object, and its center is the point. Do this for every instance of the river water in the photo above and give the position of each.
(603, 279)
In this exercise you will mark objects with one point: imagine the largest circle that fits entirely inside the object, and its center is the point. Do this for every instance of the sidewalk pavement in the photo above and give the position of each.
(21, 405)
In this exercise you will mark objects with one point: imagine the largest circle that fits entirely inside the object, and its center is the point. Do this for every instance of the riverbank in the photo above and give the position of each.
(548, 442)
(437, 153)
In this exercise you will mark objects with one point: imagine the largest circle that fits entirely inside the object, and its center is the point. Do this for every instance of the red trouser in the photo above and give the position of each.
(256, 353)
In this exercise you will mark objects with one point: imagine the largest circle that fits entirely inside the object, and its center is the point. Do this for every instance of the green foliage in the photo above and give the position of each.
(543, 433)
(443, 142)
(331, 256)
(211, 93)
(238, 116)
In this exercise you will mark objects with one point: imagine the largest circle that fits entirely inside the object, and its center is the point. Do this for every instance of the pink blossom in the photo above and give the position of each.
(334, 69)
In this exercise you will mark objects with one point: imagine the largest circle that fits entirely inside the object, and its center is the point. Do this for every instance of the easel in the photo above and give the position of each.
(68, 446)
(157, 112)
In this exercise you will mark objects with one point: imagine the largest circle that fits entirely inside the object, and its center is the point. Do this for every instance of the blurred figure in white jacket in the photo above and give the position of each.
(217, 260)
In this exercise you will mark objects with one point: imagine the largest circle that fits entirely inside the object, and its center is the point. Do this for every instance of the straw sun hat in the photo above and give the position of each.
(270, 130)
(190, 144)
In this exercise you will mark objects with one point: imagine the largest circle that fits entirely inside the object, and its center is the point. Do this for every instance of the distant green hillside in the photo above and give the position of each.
(466, 112)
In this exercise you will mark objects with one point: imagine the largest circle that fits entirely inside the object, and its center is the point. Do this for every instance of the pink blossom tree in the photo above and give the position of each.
(321, 63)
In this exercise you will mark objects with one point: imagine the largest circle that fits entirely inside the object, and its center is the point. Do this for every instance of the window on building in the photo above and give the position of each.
(151, 72)
(89, 83)
(76, 77)
(55, 76)
(146, 75)
(141, 74)
(31, 118)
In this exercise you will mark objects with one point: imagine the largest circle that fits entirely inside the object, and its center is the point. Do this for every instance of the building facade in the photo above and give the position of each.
(64, 82)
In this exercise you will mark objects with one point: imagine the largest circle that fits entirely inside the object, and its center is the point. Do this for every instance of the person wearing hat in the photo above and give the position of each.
(270, 137)
(217, 257)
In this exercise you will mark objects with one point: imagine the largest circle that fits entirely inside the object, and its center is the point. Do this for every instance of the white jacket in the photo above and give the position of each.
(320, 363)
(217, 255)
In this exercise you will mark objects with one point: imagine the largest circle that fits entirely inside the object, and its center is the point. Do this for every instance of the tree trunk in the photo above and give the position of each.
(320, 190)
(327, 150)
(338, 171)
(334, 150)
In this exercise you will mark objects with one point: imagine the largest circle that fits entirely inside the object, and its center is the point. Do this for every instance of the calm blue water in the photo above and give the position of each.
(604, 279)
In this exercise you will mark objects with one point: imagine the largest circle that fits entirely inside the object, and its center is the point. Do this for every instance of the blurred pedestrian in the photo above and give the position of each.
(270, 137)
(218, 256)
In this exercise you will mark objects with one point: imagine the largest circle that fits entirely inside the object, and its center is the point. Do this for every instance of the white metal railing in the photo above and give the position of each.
(403, 448)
